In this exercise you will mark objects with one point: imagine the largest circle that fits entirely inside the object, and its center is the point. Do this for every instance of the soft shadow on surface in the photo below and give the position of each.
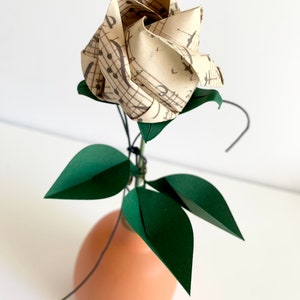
(41, 240)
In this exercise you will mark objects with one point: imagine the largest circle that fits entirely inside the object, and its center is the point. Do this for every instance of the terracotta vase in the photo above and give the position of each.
(129, 269)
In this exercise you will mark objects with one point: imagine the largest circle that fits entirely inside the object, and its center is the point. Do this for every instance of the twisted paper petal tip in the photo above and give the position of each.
(144, 57)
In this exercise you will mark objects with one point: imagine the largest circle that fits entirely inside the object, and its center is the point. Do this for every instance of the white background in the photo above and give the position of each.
(256, 43)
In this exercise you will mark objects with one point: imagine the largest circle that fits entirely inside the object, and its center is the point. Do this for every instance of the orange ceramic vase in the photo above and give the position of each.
(129, 269)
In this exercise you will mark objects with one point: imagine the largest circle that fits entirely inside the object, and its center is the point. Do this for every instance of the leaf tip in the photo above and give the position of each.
(240, 236)
(49, 195)
(236, 232)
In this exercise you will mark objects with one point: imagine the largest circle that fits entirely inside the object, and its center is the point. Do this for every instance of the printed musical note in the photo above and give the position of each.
(190, 36)
(111, 21)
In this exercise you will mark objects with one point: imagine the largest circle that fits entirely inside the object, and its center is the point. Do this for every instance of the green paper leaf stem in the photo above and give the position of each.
(165, 227)
(200, 96)
(199, 197)
(96, 172)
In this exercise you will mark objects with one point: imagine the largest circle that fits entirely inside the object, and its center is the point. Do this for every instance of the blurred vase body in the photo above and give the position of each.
(129, 270)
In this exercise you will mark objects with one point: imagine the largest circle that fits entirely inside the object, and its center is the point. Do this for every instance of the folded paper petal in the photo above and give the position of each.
(182, 28)
(144, 57)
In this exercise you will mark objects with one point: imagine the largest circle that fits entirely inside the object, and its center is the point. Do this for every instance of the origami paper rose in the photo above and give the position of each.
(145, 57)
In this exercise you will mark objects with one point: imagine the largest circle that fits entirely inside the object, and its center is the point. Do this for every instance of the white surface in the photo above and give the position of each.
(40, 238)
(255, 43)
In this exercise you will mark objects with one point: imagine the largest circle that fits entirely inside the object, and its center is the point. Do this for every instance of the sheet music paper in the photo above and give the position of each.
(145, 57)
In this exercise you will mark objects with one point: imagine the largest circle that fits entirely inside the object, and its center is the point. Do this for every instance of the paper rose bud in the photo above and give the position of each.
(145, 57)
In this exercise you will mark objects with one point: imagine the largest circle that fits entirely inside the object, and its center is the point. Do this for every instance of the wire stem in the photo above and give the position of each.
(98, 260)
(246, 128)
(141, 164)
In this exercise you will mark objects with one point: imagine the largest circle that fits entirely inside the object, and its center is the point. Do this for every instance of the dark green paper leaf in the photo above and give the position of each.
(150, 130)
(96, 172)
(165, 227)
(83, 89)
(200, 96)
(200, 197)
(134, 170)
